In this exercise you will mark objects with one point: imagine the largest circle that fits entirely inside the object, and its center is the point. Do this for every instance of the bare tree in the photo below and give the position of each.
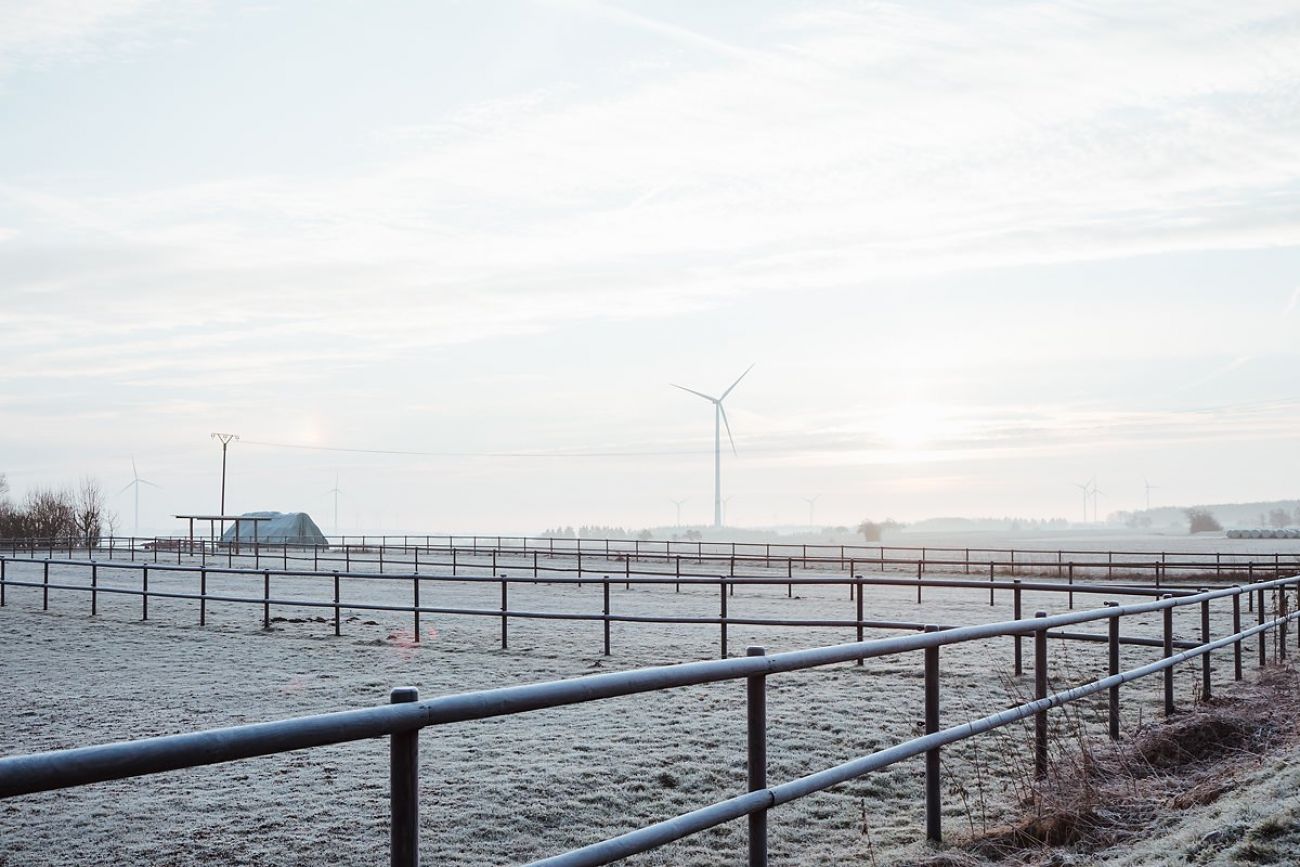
(49, 515)
(90, 512)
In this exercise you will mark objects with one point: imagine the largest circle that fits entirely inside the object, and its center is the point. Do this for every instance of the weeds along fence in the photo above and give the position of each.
(203, 591)
(402, 720)
(571, 555)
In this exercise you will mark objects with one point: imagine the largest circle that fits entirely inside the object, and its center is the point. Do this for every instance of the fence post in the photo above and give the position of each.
(453, 560)
(1236, 628)
(789, 574)
(203, 597)
(1206, 686)
(337, 631)
(1015, 615)
(1112, 669)
(756, 738)
(45, 589)
(918, 582)
(504, 606)
(722, 596)
(933, 825)
(266, 599)
(404, 787)
(606, 611)
(677, 588)
(415, 608)
(1280, 614)
(1070, 579)
(534, 563)
(1168, 612)
(858, 583)
(381, 556)
(1040, 692)
(2, 585)
(144, 597)
(990, 583)
(94, 587)
(1263, 642)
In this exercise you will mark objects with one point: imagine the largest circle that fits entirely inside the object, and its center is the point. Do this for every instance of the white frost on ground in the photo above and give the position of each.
(496, 791)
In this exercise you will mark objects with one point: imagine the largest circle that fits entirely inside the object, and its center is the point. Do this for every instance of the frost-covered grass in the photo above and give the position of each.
(503, 790)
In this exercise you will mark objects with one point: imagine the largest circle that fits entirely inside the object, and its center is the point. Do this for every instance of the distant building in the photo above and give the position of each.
(293, 528)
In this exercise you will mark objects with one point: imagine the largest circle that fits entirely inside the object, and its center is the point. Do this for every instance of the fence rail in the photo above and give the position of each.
(406, 715)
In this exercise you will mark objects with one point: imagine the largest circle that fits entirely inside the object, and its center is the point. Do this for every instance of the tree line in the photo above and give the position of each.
(78, 515)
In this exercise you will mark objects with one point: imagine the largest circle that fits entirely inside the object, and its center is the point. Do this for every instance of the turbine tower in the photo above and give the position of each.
(136, 482)
(1150, 487)
(719, 420)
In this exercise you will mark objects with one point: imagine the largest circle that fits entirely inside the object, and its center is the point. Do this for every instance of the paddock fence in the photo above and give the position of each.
(489, 554)
(402, 720)
(204, 592)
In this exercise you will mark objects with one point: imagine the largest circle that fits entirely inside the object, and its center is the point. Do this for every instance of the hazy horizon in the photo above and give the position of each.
(978, 253)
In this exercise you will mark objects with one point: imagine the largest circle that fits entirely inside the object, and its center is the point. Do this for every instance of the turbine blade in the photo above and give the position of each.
(150, 484)
(127, 488)
(134, 473)
(694, 392)
(727, 424)
(737, 382)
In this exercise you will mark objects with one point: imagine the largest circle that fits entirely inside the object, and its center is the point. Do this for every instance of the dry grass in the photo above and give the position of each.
(1102, 803)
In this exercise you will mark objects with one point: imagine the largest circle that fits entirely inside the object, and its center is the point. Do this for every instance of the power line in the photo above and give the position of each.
(414, 453)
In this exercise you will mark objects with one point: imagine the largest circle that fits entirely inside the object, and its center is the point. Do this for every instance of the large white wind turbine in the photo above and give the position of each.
(719, 420)
(136, 482)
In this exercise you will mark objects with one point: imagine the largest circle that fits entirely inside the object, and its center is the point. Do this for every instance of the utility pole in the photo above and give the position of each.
(225, 440)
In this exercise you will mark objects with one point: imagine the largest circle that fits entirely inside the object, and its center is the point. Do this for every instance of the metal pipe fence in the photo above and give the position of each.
(715, 555)
(402, 719)
(725, 586)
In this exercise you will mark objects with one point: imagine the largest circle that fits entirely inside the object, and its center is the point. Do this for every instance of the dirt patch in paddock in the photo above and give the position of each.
(1127, 803)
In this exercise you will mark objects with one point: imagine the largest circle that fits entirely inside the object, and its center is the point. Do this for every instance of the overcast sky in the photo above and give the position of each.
(978, 252)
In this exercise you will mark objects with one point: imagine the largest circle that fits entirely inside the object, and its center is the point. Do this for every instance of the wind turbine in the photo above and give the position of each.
(335, 491)
(136, 482)
(1086, 488)
(1150, 487)
(811, 501)
(679, 504)
(719, 420)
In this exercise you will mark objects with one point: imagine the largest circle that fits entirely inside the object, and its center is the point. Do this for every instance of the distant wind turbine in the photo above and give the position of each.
(1150, 487)
(335, 491)
(1086, 488)
(719, 420)
(812, 503)
(136, 482)
(679, 504)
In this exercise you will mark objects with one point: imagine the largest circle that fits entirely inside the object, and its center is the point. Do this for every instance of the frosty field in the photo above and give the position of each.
(512, 789)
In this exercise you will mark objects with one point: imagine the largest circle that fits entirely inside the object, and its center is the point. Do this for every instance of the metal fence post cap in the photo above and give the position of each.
(755, 650)
(403, 694)
(1110, 604)
(931, 627)
(1040, 613)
